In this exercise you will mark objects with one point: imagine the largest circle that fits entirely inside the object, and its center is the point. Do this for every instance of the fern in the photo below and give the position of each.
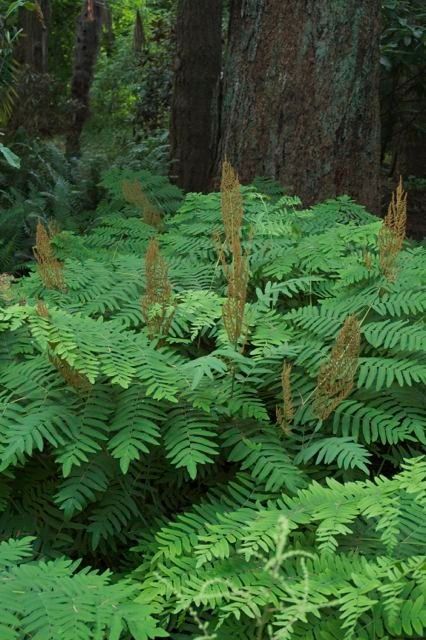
(380, 373)
(136, 426)
(189, 439)
(160, 456)
(166, 196)
(345, 451)
(300, 596)
(264, 455)
(51, 599)
(399, 334)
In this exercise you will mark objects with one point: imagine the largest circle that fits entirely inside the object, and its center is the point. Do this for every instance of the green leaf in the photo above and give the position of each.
(11, 158)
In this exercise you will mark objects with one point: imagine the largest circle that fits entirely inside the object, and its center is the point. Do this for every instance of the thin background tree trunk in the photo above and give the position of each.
(32, 49)
(196, 82)
(139, 38)
(301, 96)
(88, 33)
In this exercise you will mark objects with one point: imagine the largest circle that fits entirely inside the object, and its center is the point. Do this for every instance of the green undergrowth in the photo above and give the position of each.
(162, 460)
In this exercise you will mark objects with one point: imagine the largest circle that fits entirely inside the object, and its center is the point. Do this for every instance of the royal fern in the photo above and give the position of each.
(204, 473)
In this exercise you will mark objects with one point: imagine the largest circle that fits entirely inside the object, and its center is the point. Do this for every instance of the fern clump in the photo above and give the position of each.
(157, 302)
(275, 491)
(50, 269)
(54, 599)
(240, 571)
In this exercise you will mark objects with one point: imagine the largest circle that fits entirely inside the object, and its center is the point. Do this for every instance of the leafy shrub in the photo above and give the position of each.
(52, 599)
(162, 458)
(352, 569)
(47, 187)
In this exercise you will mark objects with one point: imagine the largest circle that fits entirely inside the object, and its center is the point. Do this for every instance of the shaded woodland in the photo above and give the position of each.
(212, 304)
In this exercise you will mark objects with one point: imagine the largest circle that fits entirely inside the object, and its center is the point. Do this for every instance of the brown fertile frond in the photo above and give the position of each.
(49, 267)
(157, 303)
(285, 414)
(392, 233)
(72, 377)
(237, 271)
(5, 287)
(368, 260)
(42, 310)
(134, 194)
(231, 203)
(336, 376)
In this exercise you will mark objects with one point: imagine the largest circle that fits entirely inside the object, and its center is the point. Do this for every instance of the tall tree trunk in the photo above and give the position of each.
(89, 25)
(195, 93)
(107, 23)
(32, 49)
(301, 96)
(139, 38)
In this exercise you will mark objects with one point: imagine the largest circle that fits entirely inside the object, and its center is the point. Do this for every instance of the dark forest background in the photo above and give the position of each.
(334, 104)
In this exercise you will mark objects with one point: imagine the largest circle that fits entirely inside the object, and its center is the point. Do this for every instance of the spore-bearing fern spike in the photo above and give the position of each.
(72, 377)
(285, 414)
(392, 233)
(236, 272)
(49, 267)
(42, 310)
(157, 302)
(336, 376)
(5, 287)
(134, 194)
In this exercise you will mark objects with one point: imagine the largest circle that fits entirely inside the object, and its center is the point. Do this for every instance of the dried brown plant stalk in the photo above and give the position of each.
(5, 287)
(285, 414)
(42, 310)
(392, 233)
(157, 303)
(49, 267)
(368, 260)
(72, 377)
(236, 271)
(134, 194)
(336, 376)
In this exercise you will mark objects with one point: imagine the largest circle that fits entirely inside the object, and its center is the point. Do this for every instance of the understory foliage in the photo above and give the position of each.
(226, 411)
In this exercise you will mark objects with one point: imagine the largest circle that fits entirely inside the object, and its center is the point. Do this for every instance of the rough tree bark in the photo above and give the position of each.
(88, 33)
(195, 94)
(301, 96)
(139, 39)
(32, 49)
